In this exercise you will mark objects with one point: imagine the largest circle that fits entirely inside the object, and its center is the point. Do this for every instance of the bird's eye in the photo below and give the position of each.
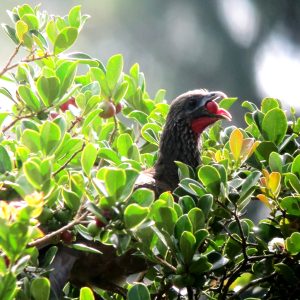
(192, 103)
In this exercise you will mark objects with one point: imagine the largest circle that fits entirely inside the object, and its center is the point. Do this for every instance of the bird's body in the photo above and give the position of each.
(190, 113)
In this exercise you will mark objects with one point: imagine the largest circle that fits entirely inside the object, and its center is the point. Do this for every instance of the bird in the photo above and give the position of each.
(189, 115)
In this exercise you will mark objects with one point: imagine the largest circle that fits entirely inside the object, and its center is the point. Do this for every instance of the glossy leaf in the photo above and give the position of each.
(86, 294)
(5, 161)
(134, 215)
(293, 243)
(48, 88)
(210, 177)
(138, 292)
(113, 70)
(187, 246)
(50, 136)
(29, 98)
(65, 39)
(40, 288)
(88, 158)
(291, 205)
(274, 125)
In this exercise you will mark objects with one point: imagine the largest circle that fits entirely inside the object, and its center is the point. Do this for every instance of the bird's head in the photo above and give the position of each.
(198, 109)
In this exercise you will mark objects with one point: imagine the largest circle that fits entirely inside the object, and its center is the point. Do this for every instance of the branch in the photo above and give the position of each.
(244, 240)
(7, 67)
(68, 161)
(16, 120)
(250, 284)
(165, 263)
(47, 238)
(73, 123)
(26, 60)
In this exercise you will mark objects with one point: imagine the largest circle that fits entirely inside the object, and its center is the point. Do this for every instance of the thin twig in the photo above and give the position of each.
(16, 120)
(45, 239)
(250, 284)
(69, 160)
(6, 67)
(26, 60)
(73, 123)
(165, 263)
(244, 240)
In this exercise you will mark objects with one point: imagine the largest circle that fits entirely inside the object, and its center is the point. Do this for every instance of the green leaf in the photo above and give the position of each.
(31, 139)
(151, 132)
(249, 185)
(66, 73)
(275, 162)
(205, 204)
(291, 205)
(74, 16)
(197, 218)
(11, 32)
(200, 266)
(8, 287)
(294, 181)
(21, 30)
(296, 166)
(200, 236)
(65, 39)
(182, 224)
(48, 88)
(86, 294)
(134, 215)
(4, 91)
(40, 288)
(50, 136)
(71, 199)
(31, 20)
(32, 172)
(143, 197)
(274, 125)
(268, 104)
(99, 75)
(5, 161)
(85, 248)
(166, 218)
(115, 179)
(120, 92)
(51, 31)
(138, 292)
(29, 98)
(88, 158)
(210, 177)
(293, 243)
(227, 102)
(232, 248)
(187, 246)
(113, 70)
(124, 144)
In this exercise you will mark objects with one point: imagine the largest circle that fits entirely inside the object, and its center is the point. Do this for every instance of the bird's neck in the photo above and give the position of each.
(178, 143)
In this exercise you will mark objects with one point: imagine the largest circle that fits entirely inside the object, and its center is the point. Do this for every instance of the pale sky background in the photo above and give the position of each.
(171, 40)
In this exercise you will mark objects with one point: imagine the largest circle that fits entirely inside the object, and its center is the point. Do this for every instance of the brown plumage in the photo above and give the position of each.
(190, 113)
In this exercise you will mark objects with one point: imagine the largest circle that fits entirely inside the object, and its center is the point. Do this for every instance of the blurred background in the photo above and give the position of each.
(246, 48)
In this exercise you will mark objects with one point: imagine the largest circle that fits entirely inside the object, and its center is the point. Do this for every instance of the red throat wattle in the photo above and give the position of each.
(200, 124)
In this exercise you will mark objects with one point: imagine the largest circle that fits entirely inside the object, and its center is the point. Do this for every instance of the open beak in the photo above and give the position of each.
(213, 108)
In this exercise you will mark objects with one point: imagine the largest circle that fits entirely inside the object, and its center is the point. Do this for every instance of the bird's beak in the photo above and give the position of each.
(213, 108)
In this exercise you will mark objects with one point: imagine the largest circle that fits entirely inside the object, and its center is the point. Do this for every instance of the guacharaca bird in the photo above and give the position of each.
(189, 114)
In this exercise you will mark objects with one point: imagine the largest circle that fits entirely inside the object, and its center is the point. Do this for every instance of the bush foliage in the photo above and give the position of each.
(68, 164)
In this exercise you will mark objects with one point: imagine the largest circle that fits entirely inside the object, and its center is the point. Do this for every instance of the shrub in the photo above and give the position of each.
(73, 162)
